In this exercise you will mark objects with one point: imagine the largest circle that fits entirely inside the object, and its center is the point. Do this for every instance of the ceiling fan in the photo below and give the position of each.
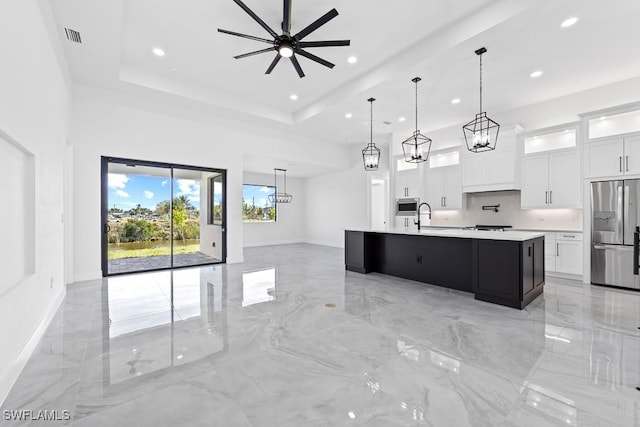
(285, 44)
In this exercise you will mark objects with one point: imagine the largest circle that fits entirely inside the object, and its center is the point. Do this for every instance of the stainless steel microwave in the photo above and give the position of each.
(407, 207)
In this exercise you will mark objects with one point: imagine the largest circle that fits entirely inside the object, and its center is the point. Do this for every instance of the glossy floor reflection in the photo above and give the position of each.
(289, 338)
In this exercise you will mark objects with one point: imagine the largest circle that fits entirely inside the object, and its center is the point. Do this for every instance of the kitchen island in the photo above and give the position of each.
(502, 267)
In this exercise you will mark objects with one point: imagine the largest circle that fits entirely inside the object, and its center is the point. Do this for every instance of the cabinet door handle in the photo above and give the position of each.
(627, 161)
(546, 197)
(551, 197)
(445, 201)
(620, 163)
(557, 249)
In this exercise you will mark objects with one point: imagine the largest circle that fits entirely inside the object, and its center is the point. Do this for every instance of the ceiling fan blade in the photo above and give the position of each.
(257, 52)
(256, 18)
(325, 43)
(316, 24)
(286, 16)
(273, 64)
(246, 36)
(297, 66)
(315, 58)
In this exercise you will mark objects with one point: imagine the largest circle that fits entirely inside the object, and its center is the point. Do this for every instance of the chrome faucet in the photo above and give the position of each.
(418, 212)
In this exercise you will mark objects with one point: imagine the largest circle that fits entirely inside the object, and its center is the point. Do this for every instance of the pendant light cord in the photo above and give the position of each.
(417, 105)
(371, 122)
(480, 83)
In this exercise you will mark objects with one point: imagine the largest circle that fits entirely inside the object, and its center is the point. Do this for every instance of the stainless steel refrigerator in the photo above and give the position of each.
(615, 217)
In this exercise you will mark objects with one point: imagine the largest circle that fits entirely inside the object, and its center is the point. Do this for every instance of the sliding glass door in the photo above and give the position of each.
(158, 216)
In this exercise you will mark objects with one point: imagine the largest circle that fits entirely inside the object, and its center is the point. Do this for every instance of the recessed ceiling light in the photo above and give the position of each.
(455, 101)
(401, 119)
(352, 60)
(293, 97)
(348, 115)
(158, 52)
(536, 74)
(569, 22)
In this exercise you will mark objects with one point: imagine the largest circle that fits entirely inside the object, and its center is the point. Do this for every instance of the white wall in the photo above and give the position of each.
(336, 202)
(114, 124)
(289, 227)
(34, 109)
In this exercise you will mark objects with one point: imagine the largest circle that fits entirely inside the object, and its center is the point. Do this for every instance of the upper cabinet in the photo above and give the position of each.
(551, 169)
(493, 170)
(407, 179)
(613, 144)
(617, 156)
(551, 180)
(444, 182)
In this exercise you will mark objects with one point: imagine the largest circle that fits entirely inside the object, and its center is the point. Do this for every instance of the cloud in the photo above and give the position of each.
(265, 190)
(188, 187)
(194, 199)
(148, 194)
(165, 182)
(122, 193)
(118, 180)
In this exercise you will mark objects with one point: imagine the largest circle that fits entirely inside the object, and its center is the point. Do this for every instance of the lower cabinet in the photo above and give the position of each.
(502, 264)
(564, 253)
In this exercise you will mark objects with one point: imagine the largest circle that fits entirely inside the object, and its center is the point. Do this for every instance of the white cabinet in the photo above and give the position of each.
(444, 188)
(551, 180)
(493, 170)
(550, 252)
(613, 157)
(566, 248)
(407, 184)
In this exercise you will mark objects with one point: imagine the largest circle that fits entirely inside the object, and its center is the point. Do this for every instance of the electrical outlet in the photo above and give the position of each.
(213, 244)
(419, 259)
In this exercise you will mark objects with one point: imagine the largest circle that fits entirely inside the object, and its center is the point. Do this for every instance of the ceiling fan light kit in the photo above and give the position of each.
(481, 134)
(371, 153)
(416, 148)
(286, 45)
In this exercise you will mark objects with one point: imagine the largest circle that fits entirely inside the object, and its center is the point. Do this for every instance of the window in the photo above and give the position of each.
(215, 200)
(614, 125)
(256, 206)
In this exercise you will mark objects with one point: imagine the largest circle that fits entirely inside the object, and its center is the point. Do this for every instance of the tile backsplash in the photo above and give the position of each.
(509, 213)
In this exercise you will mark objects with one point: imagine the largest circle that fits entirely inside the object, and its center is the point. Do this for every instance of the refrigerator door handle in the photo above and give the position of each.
(636, 251)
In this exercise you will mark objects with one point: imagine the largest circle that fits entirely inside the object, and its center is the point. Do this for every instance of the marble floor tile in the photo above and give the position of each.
(289, 338)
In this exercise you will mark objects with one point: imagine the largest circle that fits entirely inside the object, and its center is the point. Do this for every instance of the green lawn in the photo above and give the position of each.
(136, 253)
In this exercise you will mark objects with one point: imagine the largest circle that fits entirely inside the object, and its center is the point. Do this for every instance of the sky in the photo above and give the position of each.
(127, 191)
(257, 195)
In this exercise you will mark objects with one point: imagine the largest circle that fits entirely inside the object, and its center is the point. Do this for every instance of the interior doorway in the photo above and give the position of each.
(378, 202)
(159, 216)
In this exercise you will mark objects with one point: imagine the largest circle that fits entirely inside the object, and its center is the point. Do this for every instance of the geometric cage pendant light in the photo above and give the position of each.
(371, 153)
(416, 148)
(481, 134)
(283, 197)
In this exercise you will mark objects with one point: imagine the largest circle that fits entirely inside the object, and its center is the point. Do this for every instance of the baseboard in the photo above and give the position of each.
(325, 243)
(19, 362)
(85, 276)
(271, 243)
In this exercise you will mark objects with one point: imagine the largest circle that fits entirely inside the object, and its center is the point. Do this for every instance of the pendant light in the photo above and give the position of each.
(481, 134)
(280, 197)
(371, 153)
(416, 148)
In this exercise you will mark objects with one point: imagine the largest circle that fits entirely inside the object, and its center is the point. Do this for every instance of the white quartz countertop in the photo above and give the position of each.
(516, 236)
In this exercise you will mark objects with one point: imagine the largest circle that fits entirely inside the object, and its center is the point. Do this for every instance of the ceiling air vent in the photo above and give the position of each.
(73, 35)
